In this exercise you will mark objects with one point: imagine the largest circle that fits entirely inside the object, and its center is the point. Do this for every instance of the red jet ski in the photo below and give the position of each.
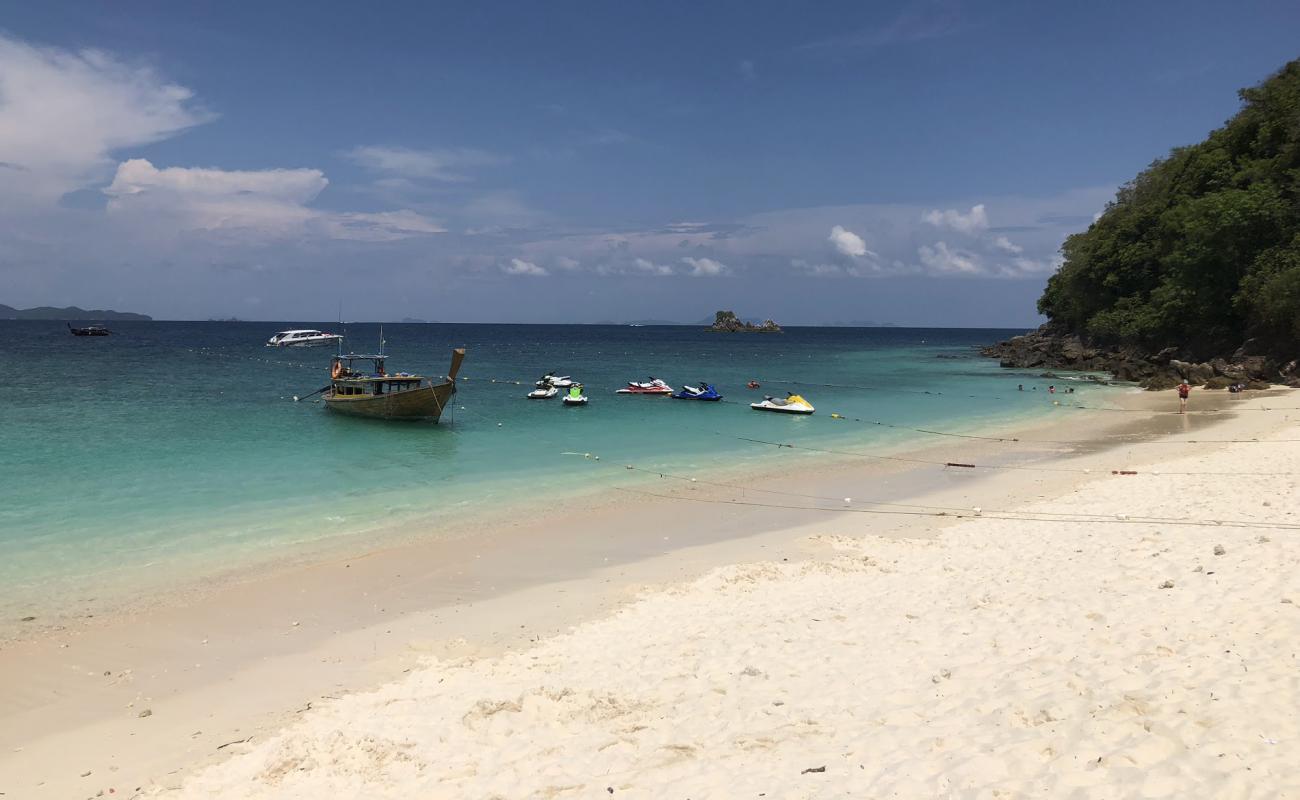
(652, 386)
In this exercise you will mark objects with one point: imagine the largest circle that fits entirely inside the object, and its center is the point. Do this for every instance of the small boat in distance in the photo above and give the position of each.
(89, 330)
(303, 338)
(381, 395)
(792, 404)
(652, 386)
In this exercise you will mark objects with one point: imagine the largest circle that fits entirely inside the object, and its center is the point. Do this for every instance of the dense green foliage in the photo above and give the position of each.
(1201, 250)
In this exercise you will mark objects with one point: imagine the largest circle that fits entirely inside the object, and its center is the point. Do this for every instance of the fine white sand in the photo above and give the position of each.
(1101, 657)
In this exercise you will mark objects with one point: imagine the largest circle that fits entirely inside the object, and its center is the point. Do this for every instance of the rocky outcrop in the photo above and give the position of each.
(728, 322)
(1049, 348)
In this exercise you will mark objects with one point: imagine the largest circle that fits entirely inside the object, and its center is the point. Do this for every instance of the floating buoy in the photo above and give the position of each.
(977, 510)
(848, 500)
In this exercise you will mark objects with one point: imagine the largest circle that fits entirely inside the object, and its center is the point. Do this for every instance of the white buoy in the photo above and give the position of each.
(597, 458)
(498, 424)
(977, 510)
(848, 500)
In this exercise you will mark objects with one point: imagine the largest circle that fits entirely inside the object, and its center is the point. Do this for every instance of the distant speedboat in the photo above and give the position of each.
(303, 339)
(792, 404)
(89, 330)
(652, 386)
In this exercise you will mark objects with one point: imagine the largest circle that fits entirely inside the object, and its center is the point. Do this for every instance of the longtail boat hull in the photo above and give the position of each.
(381, 395)
(426, 403)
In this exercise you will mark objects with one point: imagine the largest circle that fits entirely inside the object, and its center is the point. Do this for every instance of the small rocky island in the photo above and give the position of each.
(728, 322)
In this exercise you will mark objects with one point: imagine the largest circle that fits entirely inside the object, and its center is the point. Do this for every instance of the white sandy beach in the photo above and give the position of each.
(1008, 657)
(1078, 639)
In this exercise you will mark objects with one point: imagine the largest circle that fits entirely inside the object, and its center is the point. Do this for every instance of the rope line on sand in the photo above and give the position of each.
(1020, 467)
(852, 505)
(1011, 515)
(1048, 516)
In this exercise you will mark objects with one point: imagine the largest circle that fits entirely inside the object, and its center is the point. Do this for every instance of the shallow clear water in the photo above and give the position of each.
(177, 444)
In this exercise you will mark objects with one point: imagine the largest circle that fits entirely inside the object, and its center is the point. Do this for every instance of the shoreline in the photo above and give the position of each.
(188, 580)
(240, 660)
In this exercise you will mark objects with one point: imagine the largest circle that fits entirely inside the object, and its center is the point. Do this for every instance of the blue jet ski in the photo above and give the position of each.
(704, 391)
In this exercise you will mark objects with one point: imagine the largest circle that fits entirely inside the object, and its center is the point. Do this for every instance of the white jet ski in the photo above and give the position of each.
(792, 404)
(543, 393)
(558, 381)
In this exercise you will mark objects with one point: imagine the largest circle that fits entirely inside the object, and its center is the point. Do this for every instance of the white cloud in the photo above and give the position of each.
(272, 201)
(651, 268)
(518, 266)
(747, 69)
(1003, 243)
(849, 243)
(435, 164)
(63, 113)
(209, 199)
(705, 267)
(944, 260)
(568, 264)
(974, 221)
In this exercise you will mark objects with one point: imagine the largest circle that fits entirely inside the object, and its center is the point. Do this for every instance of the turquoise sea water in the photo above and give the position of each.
(178, 445)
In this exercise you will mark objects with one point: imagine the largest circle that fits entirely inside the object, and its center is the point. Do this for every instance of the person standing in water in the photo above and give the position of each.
(1183, 391)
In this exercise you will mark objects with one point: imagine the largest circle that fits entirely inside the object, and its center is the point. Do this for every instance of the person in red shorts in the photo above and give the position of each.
(1183, 391)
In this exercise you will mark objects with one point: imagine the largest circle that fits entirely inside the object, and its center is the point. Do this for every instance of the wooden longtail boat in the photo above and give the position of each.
(380, 395)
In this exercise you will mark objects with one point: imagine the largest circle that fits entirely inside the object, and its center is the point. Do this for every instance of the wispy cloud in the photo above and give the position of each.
(64, 113)
(915, 23)
(747, 69)
(446, 164)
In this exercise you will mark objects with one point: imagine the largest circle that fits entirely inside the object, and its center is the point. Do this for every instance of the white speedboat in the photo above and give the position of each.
(792, 404)
(558, 381)
(303, 339)
(543, 393)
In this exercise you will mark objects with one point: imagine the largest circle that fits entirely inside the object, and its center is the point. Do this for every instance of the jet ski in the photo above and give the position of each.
(792, 404)
(652, 386)
(704, 391)
(543, 393)
(551, 379)
(575, 397)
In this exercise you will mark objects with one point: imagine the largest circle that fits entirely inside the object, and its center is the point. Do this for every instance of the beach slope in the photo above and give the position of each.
(1134, 636)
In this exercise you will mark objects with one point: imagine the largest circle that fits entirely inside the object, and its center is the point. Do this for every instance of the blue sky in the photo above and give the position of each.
(916, 162)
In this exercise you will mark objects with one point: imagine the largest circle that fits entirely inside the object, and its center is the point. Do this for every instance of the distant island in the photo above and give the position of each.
(69, 313)
(414, 321)
(1192, 272)
(728, 322)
